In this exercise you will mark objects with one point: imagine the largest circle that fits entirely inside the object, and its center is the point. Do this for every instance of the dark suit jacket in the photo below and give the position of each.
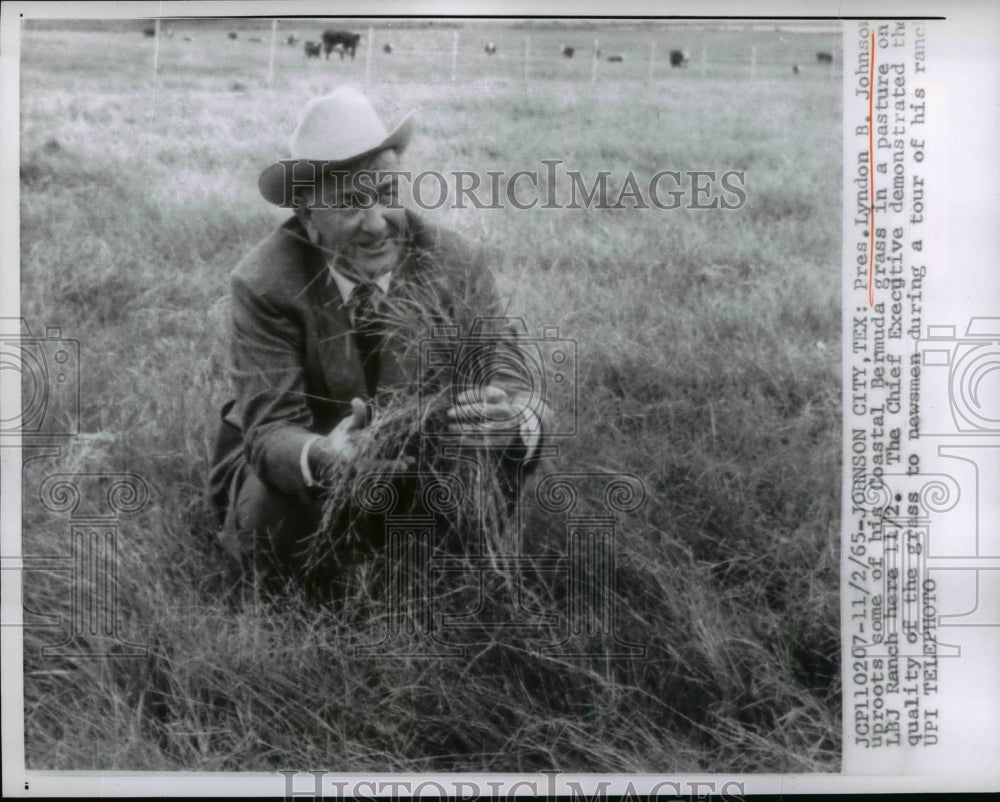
(294, 361)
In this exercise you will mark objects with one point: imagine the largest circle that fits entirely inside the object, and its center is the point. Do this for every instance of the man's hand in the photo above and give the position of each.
(343, 440)
(485, 416)
(343, 445)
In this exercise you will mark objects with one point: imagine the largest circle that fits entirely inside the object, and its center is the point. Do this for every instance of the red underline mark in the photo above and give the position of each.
(871, 173)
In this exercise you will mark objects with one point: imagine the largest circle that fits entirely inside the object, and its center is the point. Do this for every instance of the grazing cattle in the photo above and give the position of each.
(679, 58)
(256, 39)
(795, 69)
(345, 41)
(313, 49)
(292, 39)
(490, 48)
(149, 32)
(824, 58)
(232, 34)
(386, 48)
(616, 58)
(568, 51)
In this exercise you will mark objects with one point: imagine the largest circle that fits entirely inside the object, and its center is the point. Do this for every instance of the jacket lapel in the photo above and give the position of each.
(336, 353)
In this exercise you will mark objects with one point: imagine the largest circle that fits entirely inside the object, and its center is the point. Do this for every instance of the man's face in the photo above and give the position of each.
(352, 219)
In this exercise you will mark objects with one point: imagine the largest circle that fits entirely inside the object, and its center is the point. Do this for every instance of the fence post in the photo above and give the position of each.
(156, 46)
(753, 61)
(368, 55)
(454, 54)
(703, 60)
(593, 70)
(270, 61)
(527, 55)
(652, 59)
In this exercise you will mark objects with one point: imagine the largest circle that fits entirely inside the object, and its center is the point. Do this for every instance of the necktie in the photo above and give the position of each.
(367, 331)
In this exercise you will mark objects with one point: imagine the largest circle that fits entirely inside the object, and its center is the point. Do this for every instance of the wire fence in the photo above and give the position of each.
(277, 49)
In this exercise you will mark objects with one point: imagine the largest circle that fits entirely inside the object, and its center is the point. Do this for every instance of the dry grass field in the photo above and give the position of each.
(708, 367)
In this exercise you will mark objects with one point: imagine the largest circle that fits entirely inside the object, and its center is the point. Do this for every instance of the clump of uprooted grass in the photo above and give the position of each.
(409, 466)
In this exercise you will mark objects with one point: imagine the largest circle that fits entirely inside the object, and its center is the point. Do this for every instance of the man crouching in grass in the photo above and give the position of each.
(328, 314)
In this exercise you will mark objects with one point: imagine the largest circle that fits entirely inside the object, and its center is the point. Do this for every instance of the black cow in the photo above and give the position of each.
(679, 58)
(795, 69)
(149, 32)
(232, 34)
(490, 48)
(824, 58)
(346, 41)
(568, 51)
(616, 58)
(386, 48)
(313, 49)
(292, 39)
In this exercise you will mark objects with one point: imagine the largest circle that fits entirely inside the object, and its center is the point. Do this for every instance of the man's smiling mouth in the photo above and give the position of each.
(374, 248)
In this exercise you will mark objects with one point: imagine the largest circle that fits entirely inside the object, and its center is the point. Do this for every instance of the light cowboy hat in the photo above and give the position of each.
(334, 130)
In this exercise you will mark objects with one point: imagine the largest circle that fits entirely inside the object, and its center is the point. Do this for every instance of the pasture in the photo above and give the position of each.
(708, 350)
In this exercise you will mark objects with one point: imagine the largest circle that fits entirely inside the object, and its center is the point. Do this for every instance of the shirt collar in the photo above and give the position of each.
(346, 285)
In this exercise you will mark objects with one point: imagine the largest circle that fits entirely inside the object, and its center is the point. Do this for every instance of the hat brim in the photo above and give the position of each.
(275, 182)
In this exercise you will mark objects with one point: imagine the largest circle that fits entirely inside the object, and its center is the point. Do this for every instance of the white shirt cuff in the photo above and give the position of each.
(307, 476)
(531, 432)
